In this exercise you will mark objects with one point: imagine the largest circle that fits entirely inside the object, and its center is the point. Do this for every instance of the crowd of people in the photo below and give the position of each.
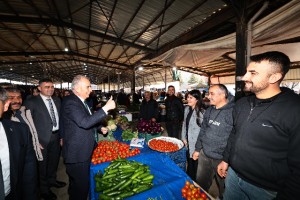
(249, 146)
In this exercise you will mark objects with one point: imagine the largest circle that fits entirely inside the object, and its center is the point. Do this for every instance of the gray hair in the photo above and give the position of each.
(76, 80)
(3, 95)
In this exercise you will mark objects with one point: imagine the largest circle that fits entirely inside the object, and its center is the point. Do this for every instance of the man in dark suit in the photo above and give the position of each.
(45, 113)
(78, 126)
(18, 167)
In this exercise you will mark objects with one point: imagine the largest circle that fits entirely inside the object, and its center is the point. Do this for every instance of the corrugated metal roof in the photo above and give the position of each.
(108, 35)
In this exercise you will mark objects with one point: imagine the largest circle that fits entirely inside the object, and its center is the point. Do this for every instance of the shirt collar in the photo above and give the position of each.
(44, 97)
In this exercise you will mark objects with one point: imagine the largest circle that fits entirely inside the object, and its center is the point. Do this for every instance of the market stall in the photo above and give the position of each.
(168, 177)
(179, 157)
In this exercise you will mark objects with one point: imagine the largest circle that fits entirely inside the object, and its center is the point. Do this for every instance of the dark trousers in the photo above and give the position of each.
(79, 174)
(207, 170)
(48, 167)
(192, 166)
(173, 128)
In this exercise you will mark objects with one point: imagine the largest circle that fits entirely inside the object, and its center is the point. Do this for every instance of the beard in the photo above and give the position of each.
(255, 88)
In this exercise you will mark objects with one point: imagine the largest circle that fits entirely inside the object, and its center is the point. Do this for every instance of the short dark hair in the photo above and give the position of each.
(12, 89)
(45, 80)
(280, 60)
(171, 86)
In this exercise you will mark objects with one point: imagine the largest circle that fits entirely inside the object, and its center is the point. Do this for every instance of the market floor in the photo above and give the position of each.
(61, 193)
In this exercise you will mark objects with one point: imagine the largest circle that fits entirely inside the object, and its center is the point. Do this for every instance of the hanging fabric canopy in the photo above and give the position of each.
(279, 26)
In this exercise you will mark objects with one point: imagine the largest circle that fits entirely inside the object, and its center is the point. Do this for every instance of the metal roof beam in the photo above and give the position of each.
(70, 53)
(203, 28)
(60, 23)
(148, 25)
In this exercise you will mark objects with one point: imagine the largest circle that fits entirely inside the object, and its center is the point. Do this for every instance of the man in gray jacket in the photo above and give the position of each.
(212, 140)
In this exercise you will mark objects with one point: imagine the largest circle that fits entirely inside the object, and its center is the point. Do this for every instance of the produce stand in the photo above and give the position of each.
(179, 157)
(168, 177)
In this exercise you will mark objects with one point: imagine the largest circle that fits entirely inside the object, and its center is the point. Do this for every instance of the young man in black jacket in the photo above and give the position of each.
(263, 150)
(174, 113)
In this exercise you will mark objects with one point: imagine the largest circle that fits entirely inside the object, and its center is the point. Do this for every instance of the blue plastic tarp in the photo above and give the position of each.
(179, 157)
(168, 177)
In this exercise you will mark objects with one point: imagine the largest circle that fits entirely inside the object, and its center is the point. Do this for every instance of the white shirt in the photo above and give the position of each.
(55, 128)
(5, 162)
(84, 103)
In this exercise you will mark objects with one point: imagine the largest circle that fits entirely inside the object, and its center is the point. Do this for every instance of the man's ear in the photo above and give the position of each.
(77, 89)
(275, 78)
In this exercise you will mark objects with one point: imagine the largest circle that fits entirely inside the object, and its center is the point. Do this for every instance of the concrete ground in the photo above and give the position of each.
(61, 193)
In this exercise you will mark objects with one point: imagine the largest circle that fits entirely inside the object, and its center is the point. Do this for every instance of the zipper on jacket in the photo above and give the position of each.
(251, 109)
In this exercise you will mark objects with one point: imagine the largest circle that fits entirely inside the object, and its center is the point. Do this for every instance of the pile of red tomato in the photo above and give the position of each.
(190, 192)
(111, 150)
(163, 146)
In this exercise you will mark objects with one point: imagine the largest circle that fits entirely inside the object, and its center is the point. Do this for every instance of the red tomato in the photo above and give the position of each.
(203, 195)
(164, 146)
(107, 151)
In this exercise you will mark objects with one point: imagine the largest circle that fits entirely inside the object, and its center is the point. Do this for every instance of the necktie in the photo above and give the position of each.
(2, 194)
(87, 107)
(52, 113)
(95, 131)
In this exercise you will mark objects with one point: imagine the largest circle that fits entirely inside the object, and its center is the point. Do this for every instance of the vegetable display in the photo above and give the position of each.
(123, 178)
(123, 122)
(128, 134)
(162, 145)
(189, 191)
(111, 150)
(111, 126)
(150, 127)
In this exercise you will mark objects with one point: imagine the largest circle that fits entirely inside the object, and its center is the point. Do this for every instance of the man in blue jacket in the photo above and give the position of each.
(78, 126)
(263, 150)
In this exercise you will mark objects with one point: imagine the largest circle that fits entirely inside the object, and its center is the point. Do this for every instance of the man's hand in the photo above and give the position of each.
(195, 155)
(185, 142)
(110, 104)
(222, 169)
(104, 130)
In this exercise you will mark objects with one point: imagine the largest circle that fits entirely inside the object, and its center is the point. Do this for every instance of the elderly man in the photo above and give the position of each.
(19, 113)
(78, 127)
(149, 108)
(18, 167)
(45, 113)
(212, 140)
(263, 149)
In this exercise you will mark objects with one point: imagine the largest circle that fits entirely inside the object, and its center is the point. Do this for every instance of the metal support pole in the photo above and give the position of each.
(108, 83)
(118, 82)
